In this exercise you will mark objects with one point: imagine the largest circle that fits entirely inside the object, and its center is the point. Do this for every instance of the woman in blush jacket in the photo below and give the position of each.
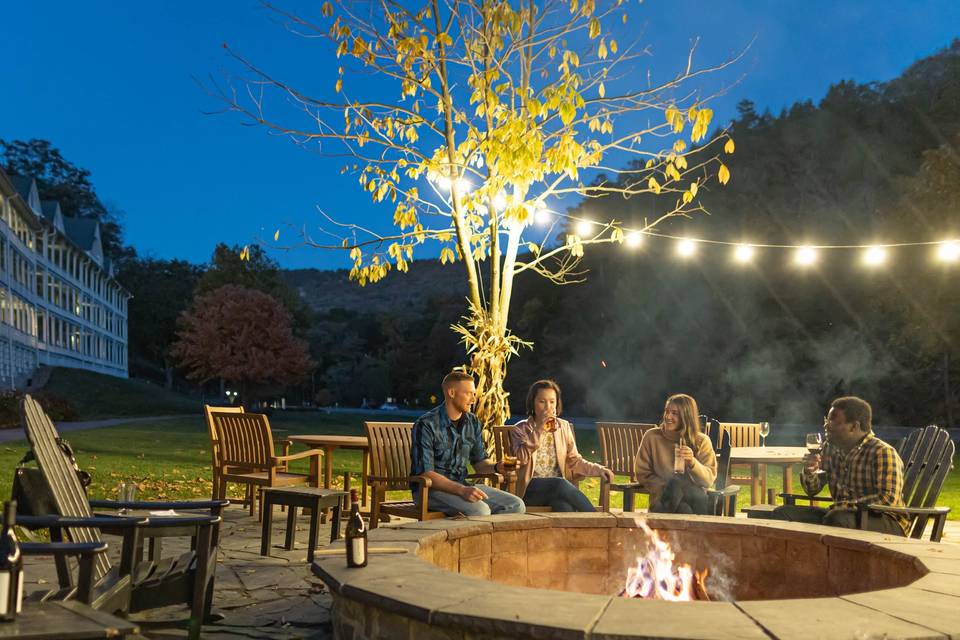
(547, 455)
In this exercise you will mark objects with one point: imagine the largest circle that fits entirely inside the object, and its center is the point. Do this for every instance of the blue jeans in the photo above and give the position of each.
(496, 502)
(557, 493)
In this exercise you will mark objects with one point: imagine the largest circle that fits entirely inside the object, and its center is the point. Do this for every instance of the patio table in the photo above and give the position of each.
(759, 458)
(330, 443)
(59, 620)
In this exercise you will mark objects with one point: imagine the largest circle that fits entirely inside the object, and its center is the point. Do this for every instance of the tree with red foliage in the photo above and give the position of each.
(243, 336)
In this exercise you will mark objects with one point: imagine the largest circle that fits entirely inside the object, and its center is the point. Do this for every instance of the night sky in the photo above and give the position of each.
(115, 86)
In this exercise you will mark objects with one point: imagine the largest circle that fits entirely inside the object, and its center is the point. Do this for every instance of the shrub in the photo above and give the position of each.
(56, 407)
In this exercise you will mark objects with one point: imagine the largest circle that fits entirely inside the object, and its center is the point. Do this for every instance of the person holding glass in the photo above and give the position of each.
(546, 454)
(859, 468)
(676, 463)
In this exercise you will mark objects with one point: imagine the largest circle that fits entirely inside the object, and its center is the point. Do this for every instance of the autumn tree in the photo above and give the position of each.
(500, 110)
(243, 336)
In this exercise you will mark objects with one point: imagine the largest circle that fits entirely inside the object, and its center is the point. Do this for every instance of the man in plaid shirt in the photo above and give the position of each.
(860, 469)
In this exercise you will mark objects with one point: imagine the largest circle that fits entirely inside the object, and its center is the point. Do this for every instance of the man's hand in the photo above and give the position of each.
(472, 494)
(811, 462)
(607, 474)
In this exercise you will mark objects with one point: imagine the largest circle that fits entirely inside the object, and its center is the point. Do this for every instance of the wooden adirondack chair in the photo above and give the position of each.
(744, 434)
(619, 443)
(927, 458)
(390, 462)
(133, 586)
(723, 497)
(248, 456)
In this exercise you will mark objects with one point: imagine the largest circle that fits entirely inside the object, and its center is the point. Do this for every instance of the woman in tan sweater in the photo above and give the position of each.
(677, 436)
(547, 456)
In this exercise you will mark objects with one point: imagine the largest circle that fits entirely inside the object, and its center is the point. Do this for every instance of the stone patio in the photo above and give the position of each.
(278, 597)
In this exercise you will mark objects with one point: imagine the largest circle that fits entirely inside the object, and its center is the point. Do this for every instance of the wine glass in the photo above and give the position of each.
(764, 432)
(815, 445)
(126, 492)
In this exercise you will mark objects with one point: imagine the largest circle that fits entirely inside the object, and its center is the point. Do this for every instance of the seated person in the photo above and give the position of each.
(547, 456)
(860, 469)
(677, 437)
(445, 439)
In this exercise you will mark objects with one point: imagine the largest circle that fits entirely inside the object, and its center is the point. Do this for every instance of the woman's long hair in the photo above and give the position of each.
(535, 389)
(689, 417)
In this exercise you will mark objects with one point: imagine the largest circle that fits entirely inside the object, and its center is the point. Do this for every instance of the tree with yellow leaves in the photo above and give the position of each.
(500, 108)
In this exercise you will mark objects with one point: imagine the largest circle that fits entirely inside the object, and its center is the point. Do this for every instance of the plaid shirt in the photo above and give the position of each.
(441, 447)
(871, 473)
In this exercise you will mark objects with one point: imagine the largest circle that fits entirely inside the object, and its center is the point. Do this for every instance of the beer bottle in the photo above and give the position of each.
(11, 566)
(356, 537)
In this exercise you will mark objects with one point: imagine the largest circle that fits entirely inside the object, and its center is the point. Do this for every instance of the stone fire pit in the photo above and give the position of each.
(558, 576)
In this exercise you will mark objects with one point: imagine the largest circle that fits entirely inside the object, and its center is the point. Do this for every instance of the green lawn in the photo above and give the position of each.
(171, 459)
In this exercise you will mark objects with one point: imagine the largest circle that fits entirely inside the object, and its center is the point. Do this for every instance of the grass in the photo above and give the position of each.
(171, 459)
(96, 395)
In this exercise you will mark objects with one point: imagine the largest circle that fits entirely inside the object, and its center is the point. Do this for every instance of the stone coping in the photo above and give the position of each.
(475, 577)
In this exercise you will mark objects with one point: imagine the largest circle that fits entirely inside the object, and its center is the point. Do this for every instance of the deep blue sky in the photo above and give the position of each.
(113, 85)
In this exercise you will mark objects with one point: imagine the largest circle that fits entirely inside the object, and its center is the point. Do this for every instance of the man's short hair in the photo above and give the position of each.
(855, 410)
(454, 377)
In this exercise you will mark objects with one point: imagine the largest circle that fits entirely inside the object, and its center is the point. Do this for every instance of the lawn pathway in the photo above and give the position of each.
(9, 435)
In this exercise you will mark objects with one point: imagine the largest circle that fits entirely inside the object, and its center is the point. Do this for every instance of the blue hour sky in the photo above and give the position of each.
(115, 86)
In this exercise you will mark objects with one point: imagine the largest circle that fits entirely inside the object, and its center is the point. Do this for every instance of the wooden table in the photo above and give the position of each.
(65, 620)
(761, 457)
(329, 444)
(312, 498)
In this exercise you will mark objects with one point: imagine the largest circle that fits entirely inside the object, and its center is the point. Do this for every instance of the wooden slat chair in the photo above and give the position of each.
(723, 497)
(217, 466)
(619, 443)
(390, 462)
(248, 456)
(133, 585)
(744, 434)
(503, 444)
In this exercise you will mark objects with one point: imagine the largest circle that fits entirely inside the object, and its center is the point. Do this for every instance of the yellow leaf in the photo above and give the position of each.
(603, 91)
(338, 85)
(602, 50)
(613, 44)
(594, 29)
(729, 147)
(326, 9)
(653, 185)
(693, 188)
(723, 175)
(687, 197)
(276, 236)
(623, 18)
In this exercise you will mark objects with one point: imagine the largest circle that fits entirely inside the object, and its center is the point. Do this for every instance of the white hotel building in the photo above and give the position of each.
(59, 302)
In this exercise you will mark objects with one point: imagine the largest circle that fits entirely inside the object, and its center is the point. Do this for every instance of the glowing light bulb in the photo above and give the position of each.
(540, 214)
(805, 256)
(444, 183)
(499, 201)
(584, 228)
(743, 253)
(874, 256)
(949, 251)
(634, 239)
(686, 248)
(463, 186)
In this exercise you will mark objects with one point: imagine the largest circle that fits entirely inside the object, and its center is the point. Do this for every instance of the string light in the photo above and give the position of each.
(875, 256)
(634, 239)
(584, 227)
(499, 201)
(541, 215)
(743, 253)
(686, 248)
(805, 256)
(949, 251)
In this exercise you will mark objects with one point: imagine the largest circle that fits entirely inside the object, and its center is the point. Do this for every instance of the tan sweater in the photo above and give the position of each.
(654, 462)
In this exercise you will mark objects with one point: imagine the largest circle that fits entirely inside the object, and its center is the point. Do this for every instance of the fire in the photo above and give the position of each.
(656, 578)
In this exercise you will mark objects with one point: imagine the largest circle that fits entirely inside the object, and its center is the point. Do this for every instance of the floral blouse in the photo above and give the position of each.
(545, 463)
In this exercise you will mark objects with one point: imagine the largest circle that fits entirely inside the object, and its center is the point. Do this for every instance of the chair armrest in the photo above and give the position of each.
(62, 548)
(622, 486)
(729, 490)
(46, 522)
(421, 480)
(910, 511)
(309, 453)
(791, 498)
(214, 505)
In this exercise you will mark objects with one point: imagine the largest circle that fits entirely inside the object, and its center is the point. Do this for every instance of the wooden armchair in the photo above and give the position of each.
(927, 456)
(723, 498)
(619, 443)
(390, 462)
(745, 434)
(248, 456)
(503, 445)
(134, 585)
(217, 465)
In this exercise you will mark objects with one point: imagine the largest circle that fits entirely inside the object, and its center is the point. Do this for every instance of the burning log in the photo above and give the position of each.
(656, 577)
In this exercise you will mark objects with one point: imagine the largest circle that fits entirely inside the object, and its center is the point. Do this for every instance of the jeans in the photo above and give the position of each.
(496, 502)
(682, 495)
(835, 518)
(558, 494)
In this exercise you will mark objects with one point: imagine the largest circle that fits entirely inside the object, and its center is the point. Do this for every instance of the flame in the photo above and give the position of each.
(656, 578)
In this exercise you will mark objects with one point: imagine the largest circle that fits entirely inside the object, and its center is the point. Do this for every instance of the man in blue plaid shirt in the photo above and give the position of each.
(445, 439)
(859, 468)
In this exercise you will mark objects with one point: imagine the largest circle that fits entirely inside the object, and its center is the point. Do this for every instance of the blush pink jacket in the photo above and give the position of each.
(525, 438)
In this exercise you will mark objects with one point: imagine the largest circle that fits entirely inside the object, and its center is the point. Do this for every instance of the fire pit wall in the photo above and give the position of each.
(746, 561)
